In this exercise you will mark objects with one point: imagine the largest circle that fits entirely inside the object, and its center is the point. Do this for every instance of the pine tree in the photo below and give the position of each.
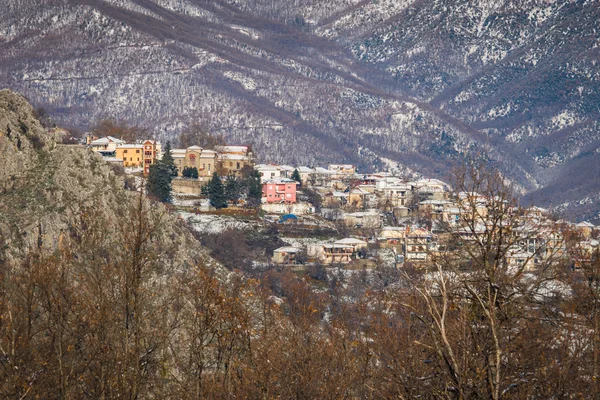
(159, 182)
(254, 189)
(168, 161)
(296, 177)
(216, 193)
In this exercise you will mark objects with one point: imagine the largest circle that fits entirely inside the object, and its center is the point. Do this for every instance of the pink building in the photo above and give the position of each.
(280, 190)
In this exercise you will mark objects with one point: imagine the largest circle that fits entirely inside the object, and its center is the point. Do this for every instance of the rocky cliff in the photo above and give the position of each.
(56, 197)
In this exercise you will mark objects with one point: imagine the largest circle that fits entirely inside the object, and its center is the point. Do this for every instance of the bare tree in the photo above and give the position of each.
(477, 302)
(198, 135)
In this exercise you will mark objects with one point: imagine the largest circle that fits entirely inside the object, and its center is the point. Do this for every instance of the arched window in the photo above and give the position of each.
(193, 159)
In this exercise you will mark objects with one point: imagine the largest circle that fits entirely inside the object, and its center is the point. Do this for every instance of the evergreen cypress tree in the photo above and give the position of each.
(159, 182)
(168, 161)
(205, 190)
(232, 188)
(296, 177)
(216, 193)
(190, 172)
(254, 189)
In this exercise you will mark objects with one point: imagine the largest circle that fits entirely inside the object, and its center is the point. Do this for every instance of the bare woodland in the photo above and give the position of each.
(107, 317)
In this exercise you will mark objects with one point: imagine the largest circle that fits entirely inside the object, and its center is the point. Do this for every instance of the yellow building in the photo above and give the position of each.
(139, 155)
(131, 154)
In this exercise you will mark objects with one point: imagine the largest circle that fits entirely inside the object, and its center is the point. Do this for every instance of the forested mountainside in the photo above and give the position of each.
(422, 84)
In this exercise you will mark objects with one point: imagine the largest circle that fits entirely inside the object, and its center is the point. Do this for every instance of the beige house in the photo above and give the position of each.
(232, 159)
(431, 189)
(358, 197)
(285, 255)
(363, 219)
(203, 160)
(104, 144)
(340, 252)
(342, 169)
(391, 236)
(417, 245)
(585, 229)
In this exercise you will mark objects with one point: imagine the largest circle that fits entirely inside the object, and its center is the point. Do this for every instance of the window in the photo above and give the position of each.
(124, 151)
(192, 159)
(130, 158)
(289, 195)
(238, 165)
(209, 167)
(137, 151)
(203, 166)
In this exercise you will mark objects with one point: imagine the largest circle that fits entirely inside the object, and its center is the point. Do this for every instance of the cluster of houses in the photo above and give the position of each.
(428, 216)
(130, 155)
(424, 210)
(222, 159)
(535, 241)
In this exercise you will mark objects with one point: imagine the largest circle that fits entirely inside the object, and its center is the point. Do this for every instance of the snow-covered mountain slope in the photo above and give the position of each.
(423, 83)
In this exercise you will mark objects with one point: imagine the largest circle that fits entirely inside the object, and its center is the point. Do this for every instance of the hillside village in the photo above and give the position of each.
(312, 282)
(371, 219)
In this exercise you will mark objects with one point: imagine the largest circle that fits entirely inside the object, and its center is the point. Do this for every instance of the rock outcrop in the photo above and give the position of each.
(52, 196)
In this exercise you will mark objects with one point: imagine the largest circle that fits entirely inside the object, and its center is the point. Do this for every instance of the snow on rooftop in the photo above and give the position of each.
(350, 241)
(585, 224)
(232, 149)
(106, 140)
(280, 180)
(287, 249)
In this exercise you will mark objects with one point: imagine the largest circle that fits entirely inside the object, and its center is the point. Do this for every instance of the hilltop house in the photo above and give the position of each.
(105, 145)
(140, 155)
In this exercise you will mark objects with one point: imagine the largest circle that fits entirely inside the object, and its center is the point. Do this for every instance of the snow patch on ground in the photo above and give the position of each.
(211, 223)
(564, 119)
